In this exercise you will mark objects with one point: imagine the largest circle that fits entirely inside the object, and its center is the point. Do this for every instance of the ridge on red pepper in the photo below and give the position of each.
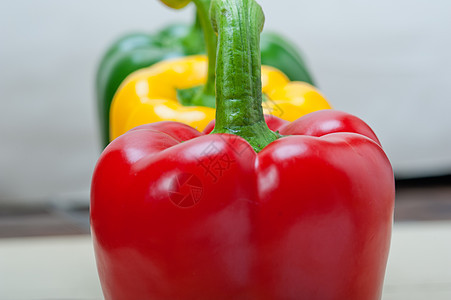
(316, 124)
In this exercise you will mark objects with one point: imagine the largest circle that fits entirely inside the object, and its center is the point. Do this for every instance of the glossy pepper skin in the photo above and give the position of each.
(299, 210)
(306, 218)
(140, 50)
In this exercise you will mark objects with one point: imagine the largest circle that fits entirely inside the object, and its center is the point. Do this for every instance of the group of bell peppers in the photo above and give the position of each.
(223, 178)
(177, 52)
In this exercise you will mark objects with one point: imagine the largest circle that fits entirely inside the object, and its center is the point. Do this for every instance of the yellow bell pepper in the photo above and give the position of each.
(150, 95)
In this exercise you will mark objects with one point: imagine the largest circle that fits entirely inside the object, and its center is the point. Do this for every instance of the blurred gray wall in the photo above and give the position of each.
(385, 61)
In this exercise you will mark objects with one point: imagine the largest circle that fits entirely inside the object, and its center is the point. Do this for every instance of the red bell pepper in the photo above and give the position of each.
(301, 212)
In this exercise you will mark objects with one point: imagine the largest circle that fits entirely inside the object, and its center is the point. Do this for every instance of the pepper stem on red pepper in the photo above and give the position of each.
(238, 24)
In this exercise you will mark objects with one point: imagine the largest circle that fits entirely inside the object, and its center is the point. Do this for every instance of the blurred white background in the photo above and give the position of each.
(387, 62)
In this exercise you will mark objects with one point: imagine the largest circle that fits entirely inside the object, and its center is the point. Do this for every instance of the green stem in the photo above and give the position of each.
(238, 71)
(203, 13)
(205, 95)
